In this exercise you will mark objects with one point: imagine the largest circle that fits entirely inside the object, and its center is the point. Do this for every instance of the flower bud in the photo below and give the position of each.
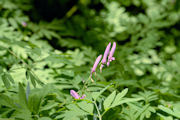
(110, 57)
(74, 94)
(95, 65)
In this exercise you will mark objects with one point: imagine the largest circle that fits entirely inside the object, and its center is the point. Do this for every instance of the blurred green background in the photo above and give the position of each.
(55, 42)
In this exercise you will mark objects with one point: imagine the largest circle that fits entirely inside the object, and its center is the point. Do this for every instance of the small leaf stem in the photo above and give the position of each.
(99, 114)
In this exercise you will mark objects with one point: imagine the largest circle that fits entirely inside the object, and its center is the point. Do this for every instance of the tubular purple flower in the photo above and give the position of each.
(106, 53)
(110, 57)
(96, 63)
(105, 56)
(74, 94)
(112, 51)
(95, 66)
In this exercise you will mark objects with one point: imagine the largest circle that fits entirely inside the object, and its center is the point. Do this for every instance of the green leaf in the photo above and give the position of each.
(5, 81)
(109, 100)
(95, 95)
(23, 114)
(32, 78)
(137, 111)
(34, 102)
(162, 117)
(2, 48)
(9, 77)
(7, 119)
(119, 96)
(88, 107)
(44, 118)
(142, 111)
(148, 96)
(49, 105)
(127, 100)
(6, 101)
(73, 113)
(173, 112)
(13, 22)
(22, 96)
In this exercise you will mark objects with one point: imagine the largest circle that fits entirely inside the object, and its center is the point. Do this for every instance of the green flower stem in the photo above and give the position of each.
(99, 114)
(104, 112)
(85, 84)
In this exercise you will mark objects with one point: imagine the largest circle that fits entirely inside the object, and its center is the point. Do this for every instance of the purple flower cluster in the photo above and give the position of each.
(104, 60)
(76, 95)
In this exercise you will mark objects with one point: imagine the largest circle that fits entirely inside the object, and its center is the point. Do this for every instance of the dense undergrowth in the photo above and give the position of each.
(43, 57)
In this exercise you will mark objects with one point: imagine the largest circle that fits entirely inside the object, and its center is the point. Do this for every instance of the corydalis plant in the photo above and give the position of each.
(76, 95)
(110, 58)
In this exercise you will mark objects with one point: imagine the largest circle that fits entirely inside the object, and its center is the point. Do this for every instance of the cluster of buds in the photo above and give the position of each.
(76, 95)
(105, 61)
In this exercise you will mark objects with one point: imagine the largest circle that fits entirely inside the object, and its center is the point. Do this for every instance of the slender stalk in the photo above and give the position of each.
(99, 114)
(104, 112)
(86, 82)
